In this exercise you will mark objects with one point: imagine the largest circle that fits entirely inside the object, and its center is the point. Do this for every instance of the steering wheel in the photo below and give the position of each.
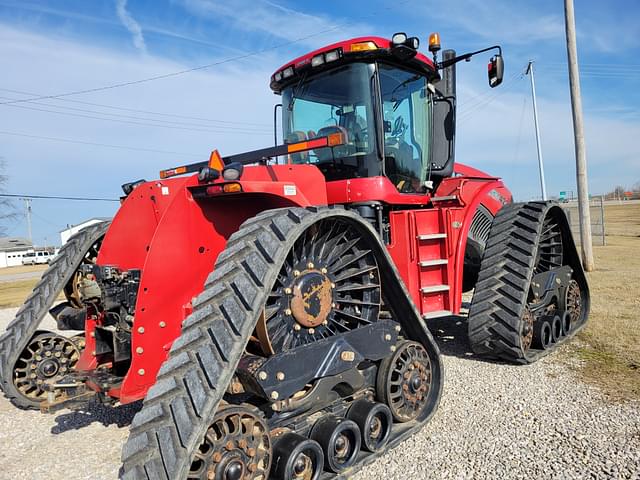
(399, 127)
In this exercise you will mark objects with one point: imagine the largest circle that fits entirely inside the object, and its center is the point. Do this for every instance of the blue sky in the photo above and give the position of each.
(89, 144)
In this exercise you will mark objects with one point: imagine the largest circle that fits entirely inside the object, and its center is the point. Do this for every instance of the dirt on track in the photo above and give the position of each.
(495, 421)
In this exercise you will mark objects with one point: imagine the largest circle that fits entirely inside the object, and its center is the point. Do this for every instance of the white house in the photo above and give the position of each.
(12, 250)
(73, 229)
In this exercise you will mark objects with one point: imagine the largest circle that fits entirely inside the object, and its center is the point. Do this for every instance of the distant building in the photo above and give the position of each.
(12, 250)
(73, 229)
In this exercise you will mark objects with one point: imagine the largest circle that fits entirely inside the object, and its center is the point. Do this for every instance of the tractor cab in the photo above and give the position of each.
(393, 106)
(379, 95)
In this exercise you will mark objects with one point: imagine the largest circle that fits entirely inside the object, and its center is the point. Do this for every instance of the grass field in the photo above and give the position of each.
(610, 345)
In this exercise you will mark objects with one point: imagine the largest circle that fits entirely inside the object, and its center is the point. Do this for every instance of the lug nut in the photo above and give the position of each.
(139, 350)
(310, 265)
(312, 331)
(387, 337)
(296, 327)
(229, 446)
(324, 270)
(287, 311)
(140, 329)
(398, 328)
(287, 291)
(333, 285)
(274, 395)
(262, 375)
(216, 458)
(280, 376)
(296, 273)
(393, 348)
(47, 354)
(162, 324)
(141, 371)
(251, 452)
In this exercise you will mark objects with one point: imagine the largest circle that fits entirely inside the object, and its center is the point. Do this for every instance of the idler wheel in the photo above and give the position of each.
(375, 422)
(296, 457)
(340, 440)
(404, 381)
(47, 358)
(236, 446)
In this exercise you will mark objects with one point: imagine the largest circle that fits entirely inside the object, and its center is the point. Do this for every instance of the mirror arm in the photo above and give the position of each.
(466, 56)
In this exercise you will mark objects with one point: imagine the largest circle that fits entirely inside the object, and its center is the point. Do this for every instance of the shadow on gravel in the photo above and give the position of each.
(96, 413)
(451, 335)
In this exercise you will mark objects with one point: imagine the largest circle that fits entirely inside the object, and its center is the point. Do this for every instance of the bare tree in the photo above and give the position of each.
(7, 209)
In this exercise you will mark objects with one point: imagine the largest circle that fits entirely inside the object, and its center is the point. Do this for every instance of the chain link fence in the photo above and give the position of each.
(596, 206)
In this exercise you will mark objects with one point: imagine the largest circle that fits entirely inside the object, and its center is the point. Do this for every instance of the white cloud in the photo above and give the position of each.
(228, 93)
(129, 22)
(268, 17)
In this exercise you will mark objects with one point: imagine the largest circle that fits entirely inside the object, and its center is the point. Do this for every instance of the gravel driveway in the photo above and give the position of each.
(495, 421)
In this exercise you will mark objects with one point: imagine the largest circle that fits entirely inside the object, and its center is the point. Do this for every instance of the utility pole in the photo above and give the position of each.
(543, 187)
(27, 204)
(578, 132)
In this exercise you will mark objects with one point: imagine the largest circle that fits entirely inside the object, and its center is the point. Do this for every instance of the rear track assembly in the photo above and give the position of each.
(530, 274)
(81, 248)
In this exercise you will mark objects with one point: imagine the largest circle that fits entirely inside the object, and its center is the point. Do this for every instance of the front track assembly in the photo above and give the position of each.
(22, 343)
(303, 358)
(532, 294)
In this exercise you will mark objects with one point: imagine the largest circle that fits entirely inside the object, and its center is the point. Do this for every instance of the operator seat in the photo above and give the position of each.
(294, 137)
(330, 153)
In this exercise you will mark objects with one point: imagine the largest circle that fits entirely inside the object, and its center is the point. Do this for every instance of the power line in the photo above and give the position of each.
(175, 74)
(230, 130)
(55, 197)
(133, 110)
(201, 67)
(107, 145)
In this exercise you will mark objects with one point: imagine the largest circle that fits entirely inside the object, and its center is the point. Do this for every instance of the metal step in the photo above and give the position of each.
(437, 314)
(434, 262)
(432, 236)
(435, 288)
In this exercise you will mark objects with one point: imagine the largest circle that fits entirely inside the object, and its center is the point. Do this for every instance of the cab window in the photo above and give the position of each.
(406, 108)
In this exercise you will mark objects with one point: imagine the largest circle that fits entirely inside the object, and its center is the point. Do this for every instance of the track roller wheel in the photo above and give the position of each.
(296, 457)
(340, 441)
(404, 380)
(46, 359)
(375, 422)
(236, 447)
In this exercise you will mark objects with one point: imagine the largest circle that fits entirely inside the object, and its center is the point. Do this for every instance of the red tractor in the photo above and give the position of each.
(271, 307)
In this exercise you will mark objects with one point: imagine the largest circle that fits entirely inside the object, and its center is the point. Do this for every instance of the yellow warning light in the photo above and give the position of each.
(363, 46)
(434, 42)
(231, 187)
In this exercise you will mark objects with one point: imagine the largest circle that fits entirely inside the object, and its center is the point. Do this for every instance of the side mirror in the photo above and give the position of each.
(495, 70)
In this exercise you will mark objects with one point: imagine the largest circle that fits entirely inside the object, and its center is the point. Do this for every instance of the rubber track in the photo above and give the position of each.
(503, 283)
(38, 303)
(190, 384)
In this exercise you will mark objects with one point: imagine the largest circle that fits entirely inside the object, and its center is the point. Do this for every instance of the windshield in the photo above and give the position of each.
(406, 107)
(339, 100)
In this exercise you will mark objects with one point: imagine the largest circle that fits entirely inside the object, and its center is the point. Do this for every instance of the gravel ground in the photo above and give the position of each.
(494, 421)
